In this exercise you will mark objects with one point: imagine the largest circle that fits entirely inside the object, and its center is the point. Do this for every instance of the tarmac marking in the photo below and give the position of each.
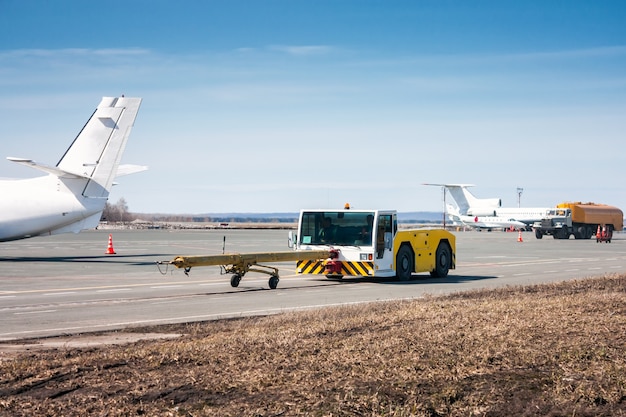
(115, 290)
(102, 288)
(52, 294)
(34, 312)
(164, 302)
(165, 287)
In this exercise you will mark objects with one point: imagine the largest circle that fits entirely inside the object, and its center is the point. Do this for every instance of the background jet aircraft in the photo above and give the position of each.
(483, 222)
(72, 196)
(469, 205)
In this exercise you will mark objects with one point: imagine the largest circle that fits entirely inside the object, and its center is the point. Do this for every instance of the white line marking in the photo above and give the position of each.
(35, 312)
(51, 294)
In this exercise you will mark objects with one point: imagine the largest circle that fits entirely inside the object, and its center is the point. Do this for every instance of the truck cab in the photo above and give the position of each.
(557, 222)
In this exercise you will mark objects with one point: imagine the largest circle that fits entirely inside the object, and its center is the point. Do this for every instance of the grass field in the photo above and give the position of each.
(549, 350)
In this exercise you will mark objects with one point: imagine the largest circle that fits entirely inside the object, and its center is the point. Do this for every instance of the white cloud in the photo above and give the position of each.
(303, 50)
(72, 53)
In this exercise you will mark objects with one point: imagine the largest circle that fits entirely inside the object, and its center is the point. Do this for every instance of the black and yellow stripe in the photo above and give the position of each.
(347, 268)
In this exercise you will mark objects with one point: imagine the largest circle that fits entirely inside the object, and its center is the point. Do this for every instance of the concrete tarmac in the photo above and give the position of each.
(66, 284)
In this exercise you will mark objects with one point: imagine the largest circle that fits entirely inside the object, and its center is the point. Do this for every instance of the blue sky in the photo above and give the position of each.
(274, 106)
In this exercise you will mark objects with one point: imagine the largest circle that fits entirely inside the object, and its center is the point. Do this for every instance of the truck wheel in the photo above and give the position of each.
(564, 233)
(404, 263)
(538, 234)
(442, 261)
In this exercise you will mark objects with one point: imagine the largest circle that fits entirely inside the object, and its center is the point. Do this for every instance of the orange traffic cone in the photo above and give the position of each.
(598, 233)
(110, 250)
(519, 236)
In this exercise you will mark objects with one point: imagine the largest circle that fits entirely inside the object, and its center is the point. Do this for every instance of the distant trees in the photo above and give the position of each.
(117, 212)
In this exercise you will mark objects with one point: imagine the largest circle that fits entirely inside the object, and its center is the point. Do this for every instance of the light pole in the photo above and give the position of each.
(519, 196)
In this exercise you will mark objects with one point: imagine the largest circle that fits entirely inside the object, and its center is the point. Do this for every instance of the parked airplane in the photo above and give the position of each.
(72, 196)
(469, 205)
(483, 222)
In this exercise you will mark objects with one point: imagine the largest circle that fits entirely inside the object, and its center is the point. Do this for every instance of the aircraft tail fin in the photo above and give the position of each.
(468, 204)
(97, 150)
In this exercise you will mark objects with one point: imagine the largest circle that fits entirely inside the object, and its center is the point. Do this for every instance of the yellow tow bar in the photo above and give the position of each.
(239, 264)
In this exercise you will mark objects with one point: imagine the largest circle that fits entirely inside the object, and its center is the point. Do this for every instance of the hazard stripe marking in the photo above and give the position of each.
(347, 268)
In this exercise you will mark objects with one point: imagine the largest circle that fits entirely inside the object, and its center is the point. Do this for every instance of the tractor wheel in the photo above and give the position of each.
(404, 263)
(443, 260)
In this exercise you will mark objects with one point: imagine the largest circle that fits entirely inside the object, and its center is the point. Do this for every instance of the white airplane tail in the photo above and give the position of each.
(453, 213)
(98, 148)
(468, 204)
(96, 152)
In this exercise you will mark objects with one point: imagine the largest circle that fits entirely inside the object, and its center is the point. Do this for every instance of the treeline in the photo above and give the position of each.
(187, 218)
(118, 213)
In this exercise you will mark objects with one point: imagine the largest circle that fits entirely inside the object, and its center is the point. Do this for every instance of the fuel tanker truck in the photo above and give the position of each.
(583, 220)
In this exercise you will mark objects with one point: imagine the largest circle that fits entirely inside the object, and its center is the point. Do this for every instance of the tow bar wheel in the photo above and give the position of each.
(273, 282)
(234, 280)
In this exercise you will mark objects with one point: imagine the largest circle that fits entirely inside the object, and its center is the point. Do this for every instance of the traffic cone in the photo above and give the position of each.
(598, 233)
(519, 236)
(110, 250)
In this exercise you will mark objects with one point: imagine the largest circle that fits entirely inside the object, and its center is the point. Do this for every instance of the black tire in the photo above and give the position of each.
(404, 263)
(273, 283)
(234, 280)
(538, 234)
(564, 233)
(443, 260)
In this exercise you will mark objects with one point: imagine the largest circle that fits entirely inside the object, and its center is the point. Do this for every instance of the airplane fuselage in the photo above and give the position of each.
(43, 206)
(490, 222)
(527, 215)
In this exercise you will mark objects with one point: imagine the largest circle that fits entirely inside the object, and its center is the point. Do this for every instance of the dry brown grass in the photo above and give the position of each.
(550, 350)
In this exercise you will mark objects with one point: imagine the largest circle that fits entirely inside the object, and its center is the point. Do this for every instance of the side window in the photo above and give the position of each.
(311, 224)
(384, 233)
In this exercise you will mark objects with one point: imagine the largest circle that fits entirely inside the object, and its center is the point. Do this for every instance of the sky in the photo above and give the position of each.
(280, 105)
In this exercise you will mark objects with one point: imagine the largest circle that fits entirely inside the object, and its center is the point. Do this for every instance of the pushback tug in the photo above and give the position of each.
(345, 243)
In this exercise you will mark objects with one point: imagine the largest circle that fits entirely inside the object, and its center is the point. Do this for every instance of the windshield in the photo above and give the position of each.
(337, 228)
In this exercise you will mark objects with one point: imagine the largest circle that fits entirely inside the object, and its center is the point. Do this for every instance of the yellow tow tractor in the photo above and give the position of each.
(344, 243)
